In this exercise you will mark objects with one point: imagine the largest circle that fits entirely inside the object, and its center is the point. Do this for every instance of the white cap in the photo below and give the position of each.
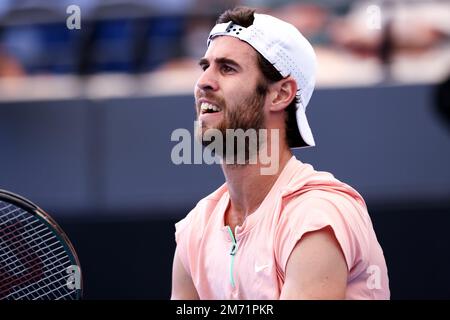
(287, 50)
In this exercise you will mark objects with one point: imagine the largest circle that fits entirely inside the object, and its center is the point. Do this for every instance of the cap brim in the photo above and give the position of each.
(305, 130)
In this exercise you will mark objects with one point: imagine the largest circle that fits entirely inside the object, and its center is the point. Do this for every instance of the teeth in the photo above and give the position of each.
(207, 106)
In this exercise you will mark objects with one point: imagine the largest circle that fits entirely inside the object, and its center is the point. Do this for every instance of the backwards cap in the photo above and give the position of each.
(288, 51)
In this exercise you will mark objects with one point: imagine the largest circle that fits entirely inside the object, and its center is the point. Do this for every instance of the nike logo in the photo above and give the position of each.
(261, 267)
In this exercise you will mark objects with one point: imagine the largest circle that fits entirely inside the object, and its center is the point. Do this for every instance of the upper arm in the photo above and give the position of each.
(182, 285)
(316, 268)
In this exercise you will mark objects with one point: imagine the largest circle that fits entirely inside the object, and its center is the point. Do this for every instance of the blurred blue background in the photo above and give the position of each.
(86, 117)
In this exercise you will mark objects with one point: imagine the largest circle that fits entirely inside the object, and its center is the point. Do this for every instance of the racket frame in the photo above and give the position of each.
(43, 216)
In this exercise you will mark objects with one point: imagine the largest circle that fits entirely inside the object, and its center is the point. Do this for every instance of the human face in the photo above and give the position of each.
(231, 84)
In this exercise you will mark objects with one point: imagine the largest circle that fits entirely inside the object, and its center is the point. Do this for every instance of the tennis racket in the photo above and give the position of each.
(37, 260)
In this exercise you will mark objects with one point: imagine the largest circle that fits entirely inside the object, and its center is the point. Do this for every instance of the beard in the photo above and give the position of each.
(246, 114)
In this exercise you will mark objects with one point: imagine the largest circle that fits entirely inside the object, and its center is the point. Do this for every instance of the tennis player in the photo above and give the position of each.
(297, 233)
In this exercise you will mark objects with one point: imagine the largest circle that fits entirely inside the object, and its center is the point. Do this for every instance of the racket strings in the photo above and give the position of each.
(20, 242)
(46, 267)
(54, 274)
(33, 262)
(34, 246)
(41, 287)
(46, 282)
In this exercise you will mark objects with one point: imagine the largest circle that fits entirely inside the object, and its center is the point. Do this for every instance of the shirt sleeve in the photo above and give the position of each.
(315, 211)
(182, 231)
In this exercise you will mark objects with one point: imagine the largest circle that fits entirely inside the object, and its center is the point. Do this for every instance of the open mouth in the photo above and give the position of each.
(209, 108)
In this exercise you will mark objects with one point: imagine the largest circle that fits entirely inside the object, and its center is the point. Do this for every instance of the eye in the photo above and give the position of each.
(227, 69)
(204, 66)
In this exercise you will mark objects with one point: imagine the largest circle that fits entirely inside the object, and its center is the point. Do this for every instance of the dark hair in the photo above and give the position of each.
(244, 17)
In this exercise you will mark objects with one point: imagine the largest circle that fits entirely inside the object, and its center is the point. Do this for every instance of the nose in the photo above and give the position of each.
(208, 81)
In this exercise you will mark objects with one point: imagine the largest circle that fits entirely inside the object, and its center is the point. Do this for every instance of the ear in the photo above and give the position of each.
(281, 93)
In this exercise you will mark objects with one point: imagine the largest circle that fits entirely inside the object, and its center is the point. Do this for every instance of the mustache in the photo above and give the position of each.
(216, 100)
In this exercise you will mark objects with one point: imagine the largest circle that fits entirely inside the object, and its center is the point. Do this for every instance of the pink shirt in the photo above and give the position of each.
(300, 201)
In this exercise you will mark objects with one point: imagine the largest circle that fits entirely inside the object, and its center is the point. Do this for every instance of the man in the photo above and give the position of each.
(296, 233)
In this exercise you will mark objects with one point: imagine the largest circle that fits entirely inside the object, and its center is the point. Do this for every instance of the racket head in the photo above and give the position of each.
(37, 258)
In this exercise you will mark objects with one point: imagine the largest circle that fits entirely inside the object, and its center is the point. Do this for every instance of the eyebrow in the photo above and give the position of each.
(231, 62)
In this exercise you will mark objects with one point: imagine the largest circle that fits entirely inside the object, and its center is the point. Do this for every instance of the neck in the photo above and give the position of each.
(248, 187)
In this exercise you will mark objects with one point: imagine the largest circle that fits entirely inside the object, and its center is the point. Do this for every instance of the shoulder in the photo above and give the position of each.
(200, 215)
(190, 230)
(327, 198)
(338, 207)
